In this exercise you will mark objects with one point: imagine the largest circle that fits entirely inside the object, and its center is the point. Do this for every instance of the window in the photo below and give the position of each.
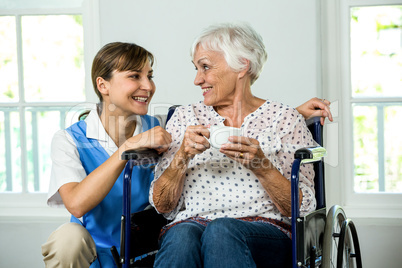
(362, 57)
(37, 99)
(376, 90)
(44, 66)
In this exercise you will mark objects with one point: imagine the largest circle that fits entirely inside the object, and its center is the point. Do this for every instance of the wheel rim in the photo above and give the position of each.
(336, 230)
(336, 217)
(345, 246)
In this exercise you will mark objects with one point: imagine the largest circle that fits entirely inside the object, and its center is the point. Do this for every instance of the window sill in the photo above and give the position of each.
(33, 215)
(374, 212)
(29, 207)
(33, 208)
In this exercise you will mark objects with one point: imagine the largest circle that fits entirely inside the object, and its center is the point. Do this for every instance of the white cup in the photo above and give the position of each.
(220, 134)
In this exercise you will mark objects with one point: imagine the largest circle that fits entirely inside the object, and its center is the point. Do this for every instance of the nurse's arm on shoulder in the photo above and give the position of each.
(80, 198)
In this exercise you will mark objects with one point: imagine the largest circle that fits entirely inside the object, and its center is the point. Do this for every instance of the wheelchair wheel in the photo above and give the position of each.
(348, 248)
(333, 225)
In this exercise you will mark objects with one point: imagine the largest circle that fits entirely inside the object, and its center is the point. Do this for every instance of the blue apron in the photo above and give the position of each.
(103, 221)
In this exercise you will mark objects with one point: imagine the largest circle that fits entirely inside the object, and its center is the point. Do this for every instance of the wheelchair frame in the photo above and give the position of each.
(318, 239)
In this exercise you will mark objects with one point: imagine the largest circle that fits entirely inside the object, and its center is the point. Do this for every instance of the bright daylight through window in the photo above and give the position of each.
(376, 84)
(41, 76)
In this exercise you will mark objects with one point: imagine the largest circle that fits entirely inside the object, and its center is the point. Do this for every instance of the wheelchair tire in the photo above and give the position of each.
(333, 225)
(349, 249)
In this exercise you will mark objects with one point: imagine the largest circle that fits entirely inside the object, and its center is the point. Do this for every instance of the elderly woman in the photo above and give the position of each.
(230, 206)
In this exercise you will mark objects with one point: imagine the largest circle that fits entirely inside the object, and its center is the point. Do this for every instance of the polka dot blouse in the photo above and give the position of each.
(216, 186)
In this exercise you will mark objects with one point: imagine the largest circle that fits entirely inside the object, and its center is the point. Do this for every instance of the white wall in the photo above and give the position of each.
(168, 28)
(290, 29)
(21, 240)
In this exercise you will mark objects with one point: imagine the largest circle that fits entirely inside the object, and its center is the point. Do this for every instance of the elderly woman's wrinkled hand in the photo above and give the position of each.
(195, 140)
(247, 151)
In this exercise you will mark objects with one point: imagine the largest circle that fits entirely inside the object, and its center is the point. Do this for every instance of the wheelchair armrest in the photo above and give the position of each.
(310, 154)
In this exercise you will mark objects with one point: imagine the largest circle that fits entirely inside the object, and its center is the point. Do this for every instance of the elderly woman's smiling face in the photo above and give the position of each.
(216, 79)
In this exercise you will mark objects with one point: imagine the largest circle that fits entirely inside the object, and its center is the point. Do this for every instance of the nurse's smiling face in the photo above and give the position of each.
(130, 92)
(216, 79)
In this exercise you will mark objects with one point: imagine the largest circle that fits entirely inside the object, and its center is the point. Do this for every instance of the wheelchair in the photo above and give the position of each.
(319, 239)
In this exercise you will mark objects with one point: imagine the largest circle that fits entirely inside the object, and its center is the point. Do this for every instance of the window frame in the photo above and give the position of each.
(27, 204)
(337, 88)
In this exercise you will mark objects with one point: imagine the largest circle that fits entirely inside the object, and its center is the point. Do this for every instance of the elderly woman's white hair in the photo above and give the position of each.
(236, 42)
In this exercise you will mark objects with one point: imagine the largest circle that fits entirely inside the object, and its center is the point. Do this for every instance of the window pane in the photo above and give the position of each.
(10, 152)
(53, 58)
(41, 124)
(365, 149)
(393, 149)
(8, 60)
(376, 51)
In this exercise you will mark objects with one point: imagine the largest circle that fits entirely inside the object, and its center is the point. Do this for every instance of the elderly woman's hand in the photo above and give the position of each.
(247, 151)
(195, 141)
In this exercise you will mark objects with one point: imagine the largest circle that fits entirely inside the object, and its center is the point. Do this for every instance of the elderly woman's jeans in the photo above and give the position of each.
(225, 242)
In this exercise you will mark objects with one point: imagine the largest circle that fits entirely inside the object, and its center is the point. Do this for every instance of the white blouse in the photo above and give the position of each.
(216, 186)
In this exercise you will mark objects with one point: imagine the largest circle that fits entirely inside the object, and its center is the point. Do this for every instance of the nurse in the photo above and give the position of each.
(87, 175)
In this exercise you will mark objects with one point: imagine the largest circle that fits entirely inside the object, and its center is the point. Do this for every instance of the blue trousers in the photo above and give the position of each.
(224, 242)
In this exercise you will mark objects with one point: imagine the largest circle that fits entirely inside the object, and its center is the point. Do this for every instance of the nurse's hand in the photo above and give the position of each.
(156, 138)
(316, 107)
